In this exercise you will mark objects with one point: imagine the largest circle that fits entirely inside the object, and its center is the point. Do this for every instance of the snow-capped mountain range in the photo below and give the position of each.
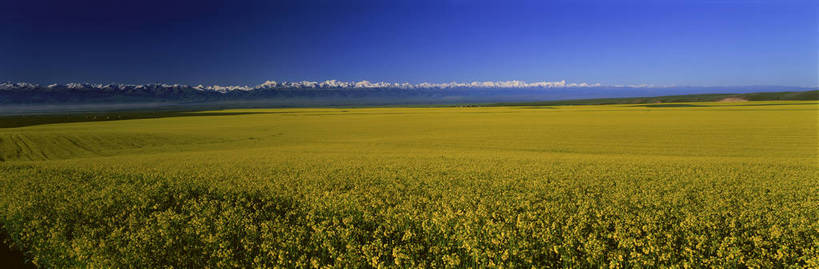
(327, 84)
(21, 97)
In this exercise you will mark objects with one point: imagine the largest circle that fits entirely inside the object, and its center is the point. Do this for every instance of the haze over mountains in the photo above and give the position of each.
(27, 97)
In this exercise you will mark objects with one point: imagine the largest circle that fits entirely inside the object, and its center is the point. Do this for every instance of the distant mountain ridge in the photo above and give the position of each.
(327, 84)
(87, 93)
(18, 98)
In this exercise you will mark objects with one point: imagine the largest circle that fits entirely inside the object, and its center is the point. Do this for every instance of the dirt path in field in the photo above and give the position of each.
(733, 100)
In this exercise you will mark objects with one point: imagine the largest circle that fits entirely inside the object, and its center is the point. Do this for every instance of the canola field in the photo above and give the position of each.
(671, 185)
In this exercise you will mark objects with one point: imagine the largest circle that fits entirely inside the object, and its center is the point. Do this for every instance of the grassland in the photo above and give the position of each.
(758, 96)
(704, 185)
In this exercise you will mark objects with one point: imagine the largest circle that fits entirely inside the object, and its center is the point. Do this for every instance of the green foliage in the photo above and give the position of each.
(596, 186)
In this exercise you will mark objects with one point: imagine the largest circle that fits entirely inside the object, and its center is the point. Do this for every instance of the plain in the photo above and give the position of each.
(697, 184)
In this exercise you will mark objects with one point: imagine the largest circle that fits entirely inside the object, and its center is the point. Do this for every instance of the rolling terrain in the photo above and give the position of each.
(656, 101)
(706, 184)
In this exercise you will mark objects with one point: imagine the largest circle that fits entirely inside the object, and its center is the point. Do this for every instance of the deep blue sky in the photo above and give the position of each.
(708, 43)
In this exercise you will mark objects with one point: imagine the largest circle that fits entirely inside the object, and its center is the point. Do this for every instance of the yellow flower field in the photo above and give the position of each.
(685, 185)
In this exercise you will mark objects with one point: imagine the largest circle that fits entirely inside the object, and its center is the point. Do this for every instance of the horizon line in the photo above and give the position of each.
(366, 84)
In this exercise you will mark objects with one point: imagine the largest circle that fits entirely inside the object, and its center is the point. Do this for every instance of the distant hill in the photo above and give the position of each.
(27, 119)
(26, 98)
(758, 96)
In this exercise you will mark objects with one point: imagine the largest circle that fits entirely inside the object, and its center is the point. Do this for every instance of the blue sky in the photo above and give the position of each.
(700, 43)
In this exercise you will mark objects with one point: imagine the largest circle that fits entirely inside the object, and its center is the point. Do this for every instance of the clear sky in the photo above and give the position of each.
(706, 43)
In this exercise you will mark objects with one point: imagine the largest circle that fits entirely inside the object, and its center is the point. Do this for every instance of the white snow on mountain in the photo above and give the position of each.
(327, 84)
